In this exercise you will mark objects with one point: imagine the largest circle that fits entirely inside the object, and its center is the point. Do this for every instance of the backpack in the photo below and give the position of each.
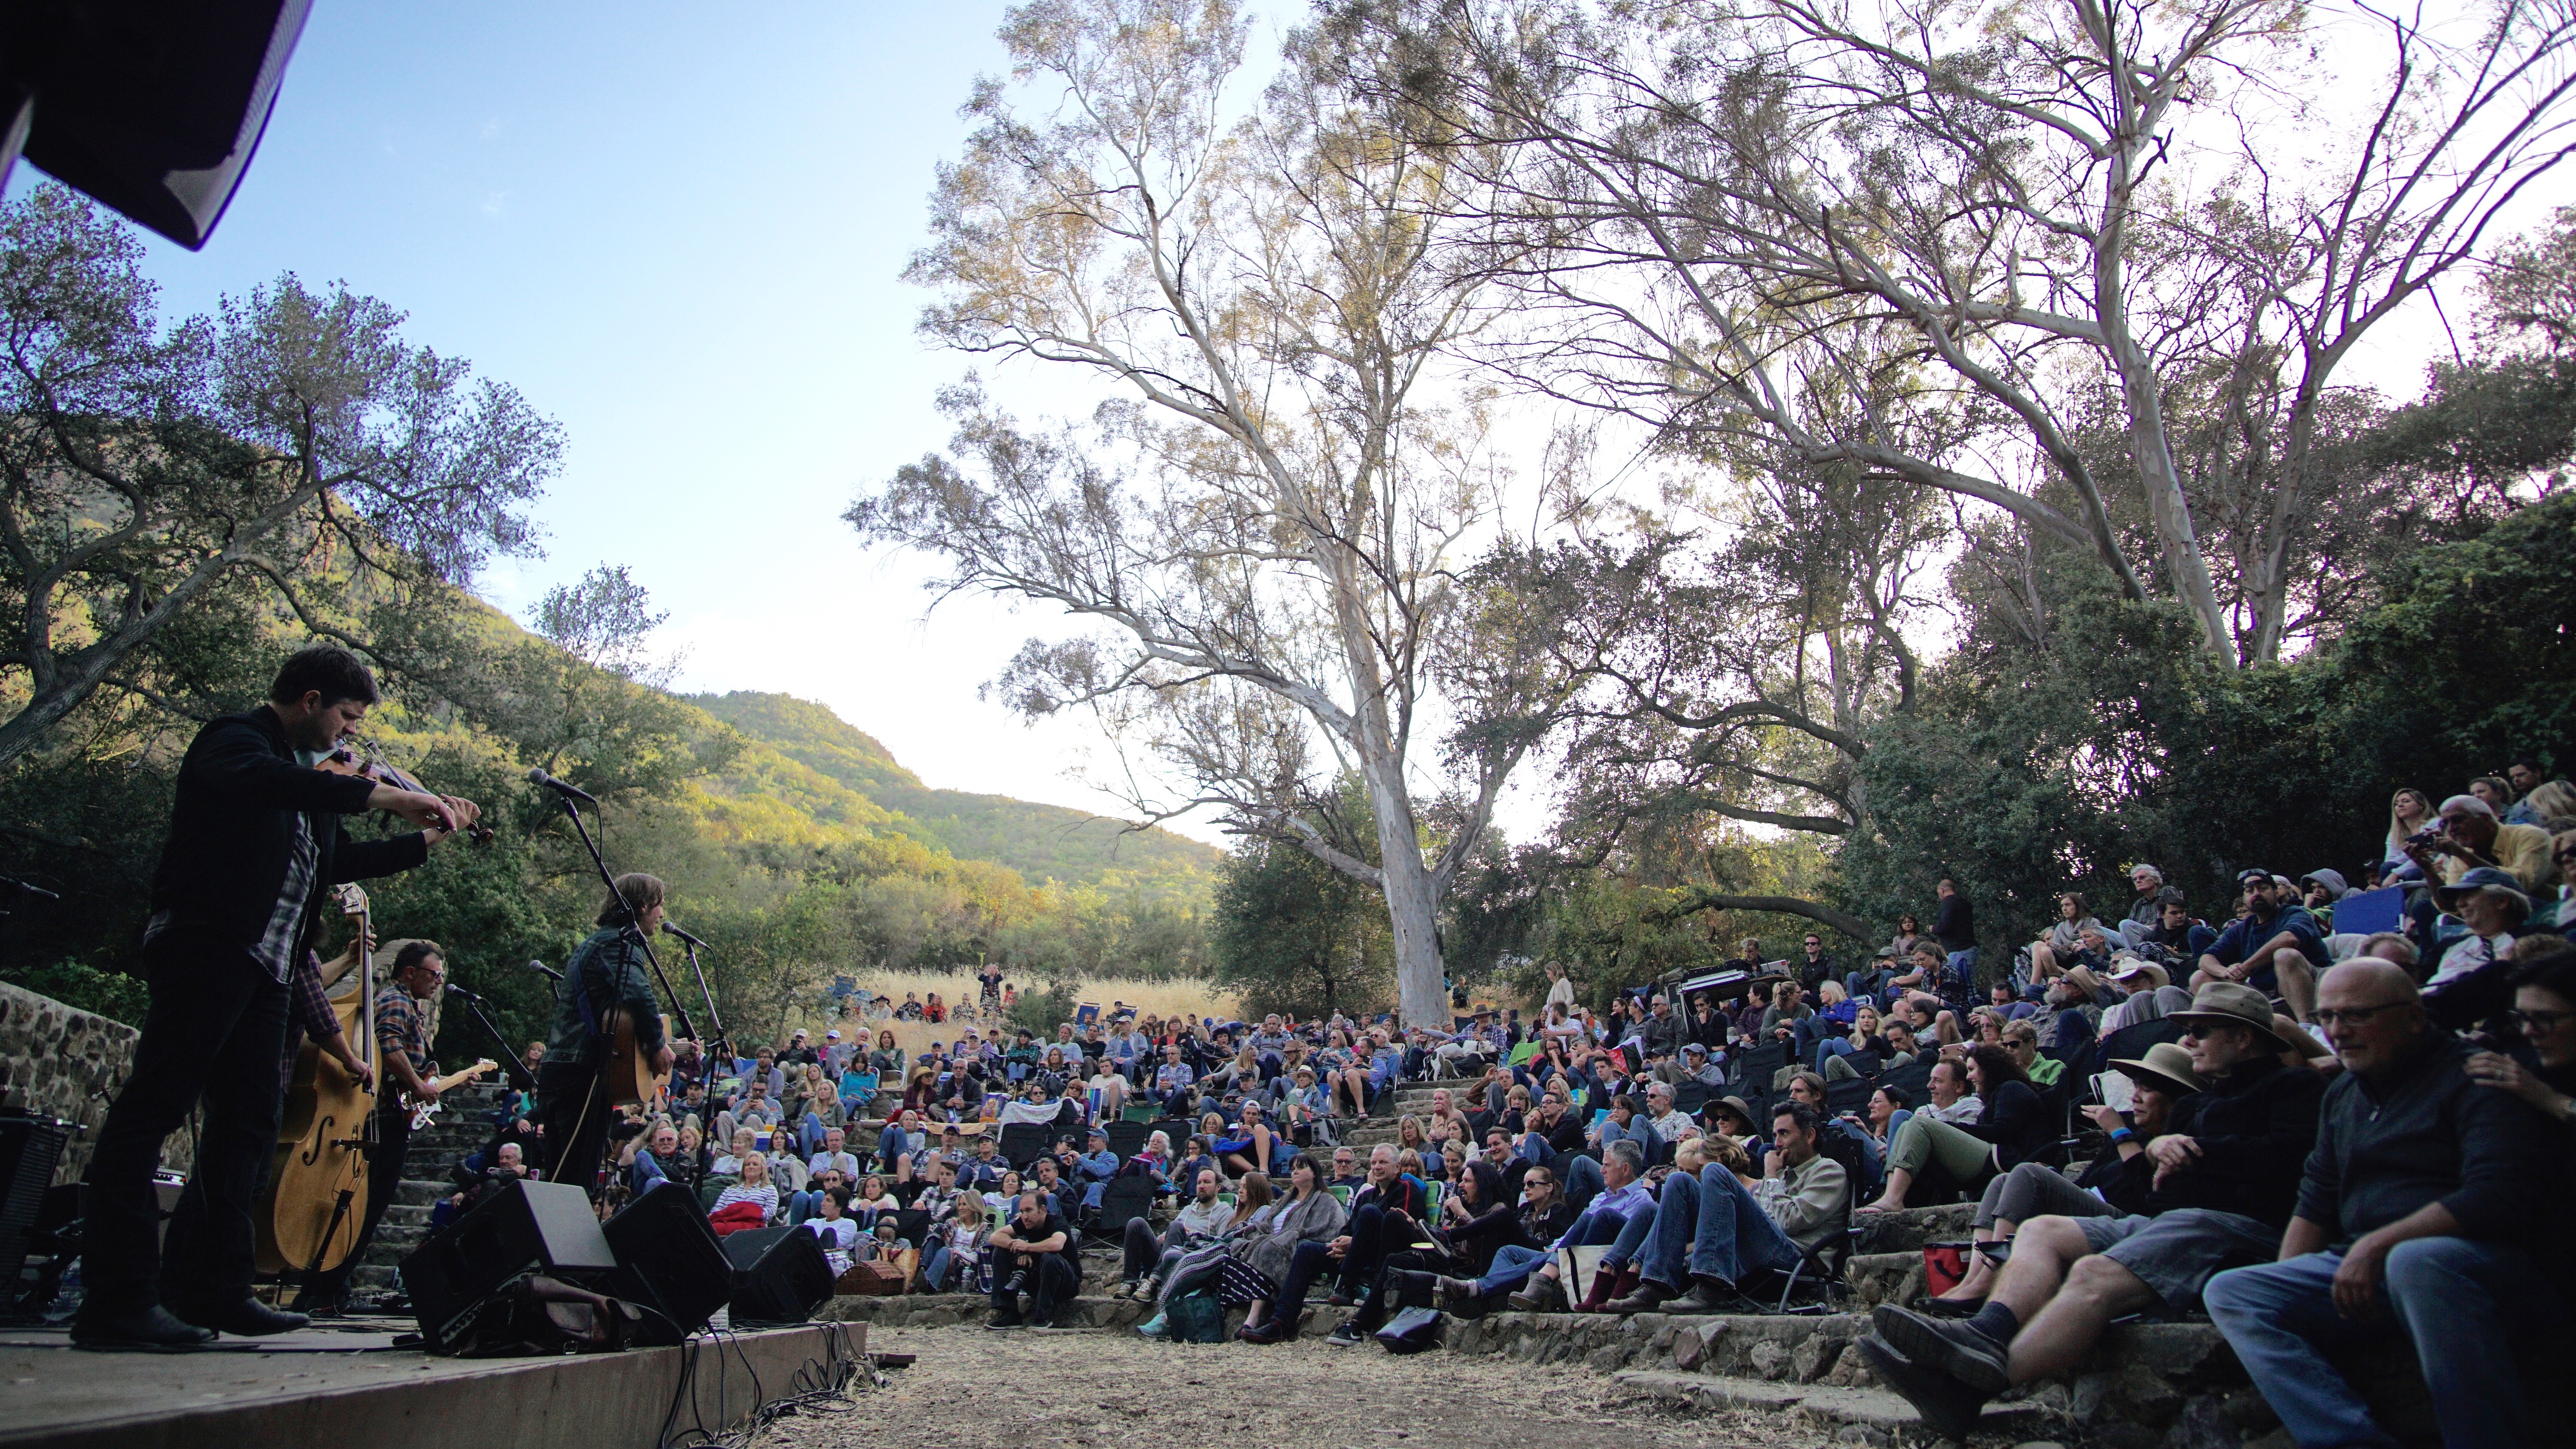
(1197, 1318)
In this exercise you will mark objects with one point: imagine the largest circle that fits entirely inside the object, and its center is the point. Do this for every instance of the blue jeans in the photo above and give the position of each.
(1833, 1046)
(1709, 1226)
(1961, 972)
(934, 1274)
(1583, 1182)
(1513, 1263)
(2464, 1305)
(892, 1144)
(809, 1134)
(803, 1205)
(1867, 985)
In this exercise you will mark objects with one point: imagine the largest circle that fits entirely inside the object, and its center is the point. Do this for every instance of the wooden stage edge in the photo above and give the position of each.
(68, 1399)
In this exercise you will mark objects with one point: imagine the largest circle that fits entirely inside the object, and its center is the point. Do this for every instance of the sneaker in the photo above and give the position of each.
(1950, 1348)
(1346, 1336)
(1007, 1320)
(1949, 1408)
(1152, 1327)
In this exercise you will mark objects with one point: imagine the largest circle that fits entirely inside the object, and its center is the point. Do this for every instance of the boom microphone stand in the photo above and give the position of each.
(564, 794)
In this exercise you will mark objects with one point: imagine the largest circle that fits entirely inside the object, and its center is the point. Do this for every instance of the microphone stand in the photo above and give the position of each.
(520, 1076)
(718, 1039)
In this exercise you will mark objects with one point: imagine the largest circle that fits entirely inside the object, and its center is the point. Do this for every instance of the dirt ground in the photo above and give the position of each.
(972, 1389)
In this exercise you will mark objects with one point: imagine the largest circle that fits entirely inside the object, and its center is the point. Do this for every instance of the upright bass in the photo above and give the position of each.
(316, 1197)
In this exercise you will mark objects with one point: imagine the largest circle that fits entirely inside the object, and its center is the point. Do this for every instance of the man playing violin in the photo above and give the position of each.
(255, 841)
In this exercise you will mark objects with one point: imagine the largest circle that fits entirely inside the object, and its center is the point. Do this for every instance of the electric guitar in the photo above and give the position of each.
(422, 1112)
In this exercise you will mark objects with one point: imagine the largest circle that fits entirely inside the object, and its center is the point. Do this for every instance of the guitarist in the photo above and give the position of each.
(402, 1044)
(604, 983)
(255, 842)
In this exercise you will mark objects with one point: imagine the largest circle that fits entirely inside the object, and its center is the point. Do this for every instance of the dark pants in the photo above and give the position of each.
(572, 1107)
(384, 1180)
(1053, 1280)
(1384, 1289)
(1309, 1262)
(214, 1032)
(1368, 1229)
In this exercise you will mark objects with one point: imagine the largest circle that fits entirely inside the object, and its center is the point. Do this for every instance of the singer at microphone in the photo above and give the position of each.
(537, 776)
(669, 929)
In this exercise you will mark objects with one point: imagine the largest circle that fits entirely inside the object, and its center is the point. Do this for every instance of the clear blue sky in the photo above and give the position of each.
(678, 230)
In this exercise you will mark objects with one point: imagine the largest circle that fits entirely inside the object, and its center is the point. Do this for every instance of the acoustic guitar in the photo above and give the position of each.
(423, 1112)
(631, 1077)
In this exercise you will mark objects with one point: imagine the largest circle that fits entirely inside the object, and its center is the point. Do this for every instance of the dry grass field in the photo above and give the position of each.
(1151, 998)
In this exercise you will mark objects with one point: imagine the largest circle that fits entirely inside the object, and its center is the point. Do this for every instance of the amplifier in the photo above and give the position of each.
(526, 1227)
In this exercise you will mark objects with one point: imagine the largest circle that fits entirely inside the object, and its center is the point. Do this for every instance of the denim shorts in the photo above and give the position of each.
(2177, 1253)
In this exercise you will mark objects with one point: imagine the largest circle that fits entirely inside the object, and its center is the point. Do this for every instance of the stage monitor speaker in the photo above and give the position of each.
(526, 1227)
(746, 1248)
(785, 1284)
(668, 1260)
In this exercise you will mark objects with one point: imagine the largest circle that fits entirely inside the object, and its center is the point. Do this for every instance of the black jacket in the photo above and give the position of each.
(2016, 1121)
(2254, 1127)
(1954, 925)
(232, 832)
(2427, 1133)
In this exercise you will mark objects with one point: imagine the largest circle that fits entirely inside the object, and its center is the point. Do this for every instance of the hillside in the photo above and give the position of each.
(820, 767)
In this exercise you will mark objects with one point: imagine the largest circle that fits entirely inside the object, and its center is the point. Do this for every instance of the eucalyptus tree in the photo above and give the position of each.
(1259, 528)
(2164, 225)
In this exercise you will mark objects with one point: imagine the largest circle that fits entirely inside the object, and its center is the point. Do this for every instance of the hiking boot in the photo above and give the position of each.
(1650, 1297)
(1706, 1295)
(1949, 1408)
(1543, 1295)
(1950, 1348)
(1606, 1286)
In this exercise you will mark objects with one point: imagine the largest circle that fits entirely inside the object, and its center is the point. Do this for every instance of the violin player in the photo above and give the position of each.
(255, 841)
(402, 1041)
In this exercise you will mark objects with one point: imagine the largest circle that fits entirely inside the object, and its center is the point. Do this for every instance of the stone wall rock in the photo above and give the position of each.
(69, 1064)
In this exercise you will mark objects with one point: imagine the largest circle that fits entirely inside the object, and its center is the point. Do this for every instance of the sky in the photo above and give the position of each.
(680, 232)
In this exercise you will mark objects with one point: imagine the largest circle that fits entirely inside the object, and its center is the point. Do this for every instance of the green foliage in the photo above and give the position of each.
(111, 994)
(1038, 1012)
(1293, 934)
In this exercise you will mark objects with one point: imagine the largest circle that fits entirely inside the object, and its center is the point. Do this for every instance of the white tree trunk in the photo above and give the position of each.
(1412, 911)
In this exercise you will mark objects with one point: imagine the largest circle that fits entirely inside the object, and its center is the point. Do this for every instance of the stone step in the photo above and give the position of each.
(1087, 1312)
(1910, 1229)
(1877, 1278)
(1821, 1406)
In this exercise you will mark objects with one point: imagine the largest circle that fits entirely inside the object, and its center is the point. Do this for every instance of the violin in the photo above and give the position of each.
(358, 755)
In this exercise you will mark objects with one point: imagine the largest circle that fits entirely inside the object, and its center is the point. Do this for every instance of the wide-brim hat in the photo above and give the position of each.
(1737, 1105)
(2166, 1065)
(2482, 878)
(2230, 1003)
(2140, 966)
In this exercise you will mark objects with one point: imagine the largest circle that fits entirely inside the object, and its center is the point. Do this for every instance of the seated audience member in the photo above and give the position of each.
(1946, 1157)
(2058, 946)
(750, 1203)
(2022, 1040)
(2145, 912)
(1475, 1223)
(804, 1202)
(1618, 1217)
(839, 1232)
(2115, 1183)
(2425, 1211)
(2473, 979)
(2275, 946)
(1667, 1121)
(1032, 1253)
(1715, 1230)
(2175, 932)
(954, 1248)
(2545, 1013)
(2151, 994)
(1149, 1254)
(2467, 834)
(1259, 1262)
(834, 1153)
(2227, 1176)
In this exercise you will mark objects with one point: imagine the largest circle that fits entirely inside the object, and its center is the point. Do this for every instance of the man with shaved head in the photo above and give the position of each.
(2421, 1211)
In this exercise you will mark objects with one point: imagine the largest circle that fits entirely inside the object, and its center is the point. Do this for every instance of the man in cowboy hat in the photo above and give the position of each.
(2227, 1181)
(2152, 994)
(2473, 979)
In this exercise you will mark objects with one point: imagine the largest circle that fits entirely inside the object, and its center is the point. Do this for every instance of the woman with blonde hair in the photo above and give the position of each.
(2410, 813)
(754, 1188)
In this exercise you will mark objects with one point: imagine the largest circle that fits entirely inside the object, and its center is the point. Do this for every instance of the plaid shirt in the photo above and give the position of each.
(275, 948)
(402, 1026)
(308, 1008)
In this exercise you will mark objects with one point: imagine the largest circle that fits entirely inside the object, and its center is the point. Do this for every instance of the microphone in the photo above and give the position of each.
(455, 990)
(551, 973)
(537, 776)
(671, 930)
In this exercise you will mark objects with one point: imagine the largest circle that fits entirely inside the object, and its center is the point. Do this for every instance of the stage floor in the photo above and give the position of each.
(348, 1384)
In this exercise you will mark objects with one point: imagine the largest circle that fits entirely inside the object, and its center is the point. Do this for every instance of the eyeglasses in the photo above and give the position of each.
(2541, 1020)
(2351, 1016)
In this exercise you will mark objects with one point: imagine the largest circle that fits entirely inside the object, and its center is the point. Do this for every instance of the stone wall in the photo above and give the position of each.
(69, 1064)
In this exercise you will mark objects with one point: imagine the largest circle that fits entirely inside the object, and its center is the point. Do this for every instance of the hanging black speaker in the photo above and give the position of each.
(525, 1227)
(668, 1260)
(785, 1284)
(152, 106)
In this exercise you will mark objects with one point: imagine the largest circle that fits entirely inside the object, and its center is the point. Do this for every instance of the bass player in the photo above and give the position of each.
(402, 1044)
